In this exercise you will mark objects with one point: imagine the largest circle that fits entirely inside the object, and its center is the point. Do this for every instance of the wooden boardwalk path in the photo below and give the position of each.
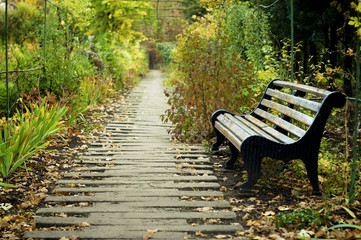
(134, 180)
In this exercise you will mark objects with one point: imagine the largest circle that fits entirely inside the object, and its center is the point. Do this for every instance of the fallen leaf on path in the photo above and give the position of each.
(84, 224)
(221, 236)
(201, 234)
(149, 234)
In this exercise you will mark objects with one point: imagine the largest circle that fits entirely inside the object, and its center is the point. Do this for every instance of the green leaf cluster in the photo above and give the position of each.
(300, 218)
(26, 133)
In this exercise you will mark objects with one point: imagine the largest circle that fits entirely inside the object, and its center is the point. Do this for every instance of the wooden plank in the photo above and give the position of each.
(256, 128)
(301, 102)
(280, 122)
(238, 123)
(241, 133)
(281, 137)
(229, 135)
(303, 88)
(301, 117)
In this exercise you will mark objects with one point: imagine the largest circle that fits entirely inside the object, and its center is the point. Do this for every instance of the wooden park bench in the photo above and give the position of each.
(287, 124)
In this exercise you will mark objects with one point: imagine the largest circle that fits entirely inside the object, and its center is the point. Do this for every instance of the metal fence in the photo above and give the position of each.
(43, 58)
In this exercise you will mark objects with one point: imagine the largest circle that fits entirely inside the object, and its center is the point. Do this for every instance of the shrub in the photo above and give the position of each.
(248, 31)
(124, 63)
(208, 75)
(166, 49)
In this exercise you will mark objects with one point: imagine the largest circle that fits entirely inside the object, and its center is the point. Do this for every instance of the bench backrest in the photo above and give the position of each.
(295, 109)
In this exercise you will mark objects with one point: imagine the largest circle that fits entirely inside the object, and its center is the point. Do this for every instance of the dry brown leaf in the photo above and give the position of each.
(201, 234)
(10, 236)
(204, 209)
(269, 213)
(149, 234)
(322, 232)
(84, 224)
(247, 216)
(283, 208)
(62, 214)
(275, 236)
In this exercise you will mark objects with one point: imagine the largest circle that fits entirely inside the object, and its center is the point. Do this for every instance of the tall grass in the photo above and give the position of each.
(91, 91)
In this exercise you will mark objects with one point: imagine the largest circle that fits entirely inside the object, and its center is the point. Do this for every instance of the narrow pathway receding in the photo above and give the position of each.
(134, 180)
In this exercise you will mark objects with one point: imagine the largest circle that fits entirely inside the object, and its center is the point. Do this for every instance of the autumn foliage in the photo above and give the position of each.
(209, 75)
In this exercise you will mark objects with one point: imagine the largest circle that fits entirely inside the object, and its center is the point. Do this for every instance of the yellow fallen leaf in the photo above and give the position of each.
(221, 236)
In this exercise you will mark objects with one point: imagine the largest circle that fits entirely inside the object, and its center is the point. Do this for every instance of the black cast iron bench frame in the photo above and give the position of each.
(287, 124)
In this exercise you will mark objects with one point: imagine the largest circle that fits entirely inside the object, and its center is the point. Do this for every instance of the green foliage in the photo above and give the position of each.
(113, 19)
(193, 8)
(166, 49)
(207, 77)
(67, 60)
(299, 218)
(76, 14)
(24, 23)
(3, 97)
(334, 163)
(209, 73)
(91, 91)
(26, 133)
(248, 31)
(123, 63)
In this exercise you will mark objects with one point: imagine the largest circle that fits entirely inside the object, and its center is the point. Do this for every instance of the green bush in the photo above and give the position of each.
(166, 49)
(248, 32)
(124, 63)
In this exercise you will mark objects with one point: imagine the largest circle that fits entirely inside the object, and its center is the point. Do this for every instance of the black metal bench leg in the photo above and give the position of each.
(220, 137)
(312, 173)
(252, 162)
(219, 141)
(234, 156)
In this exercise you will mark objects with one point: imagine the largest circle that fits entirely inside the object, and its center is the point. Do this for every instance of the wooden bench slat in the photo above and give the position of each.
(301, 102)
(234, 128)
(301, 117)
(303, 88)
(256, 128)
(281, 137)
(229, 135)
(236, 121)
(280, 122)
